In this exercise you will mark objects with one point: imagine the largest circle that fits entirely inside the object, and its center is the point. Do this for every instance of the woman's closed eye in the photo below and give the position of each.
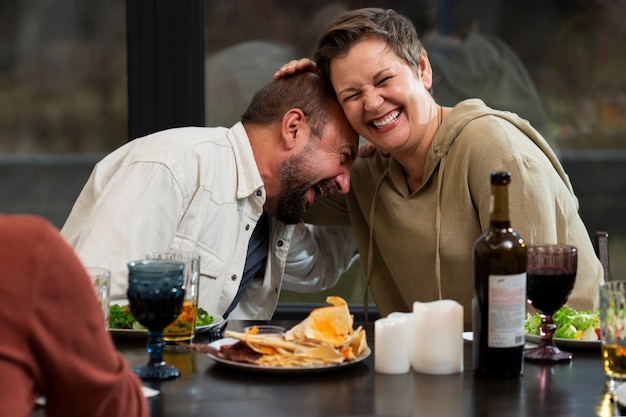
(382, 81)
(350, 96)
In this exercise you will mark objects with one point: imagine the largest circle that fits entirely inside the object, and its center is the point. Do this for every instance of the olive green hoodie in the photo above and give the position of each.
(418, 246)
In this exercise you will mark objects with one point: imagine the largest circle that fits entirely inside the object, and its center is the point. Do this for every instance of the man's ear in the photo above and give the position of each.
(292, 125)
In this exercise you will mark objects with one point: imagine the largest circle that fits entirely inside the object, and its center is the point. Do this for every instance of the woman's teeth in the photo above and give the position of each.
(387, 120)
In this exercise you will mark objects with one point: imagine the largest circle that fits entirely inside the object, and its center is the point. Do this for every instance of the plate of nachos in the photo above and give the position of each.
(324, 341)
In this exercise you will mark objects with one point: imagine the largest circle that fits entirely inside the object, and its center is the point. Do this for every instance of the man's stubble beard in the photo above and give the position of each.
(295, 174)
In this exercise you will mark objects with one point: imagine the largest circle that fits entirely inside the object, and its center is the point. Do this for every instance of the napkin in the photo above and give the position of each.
(149, 392)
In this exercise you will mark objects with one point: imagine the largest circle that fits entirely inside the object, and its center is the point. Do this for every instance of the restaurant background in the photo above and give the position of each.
(559, 63)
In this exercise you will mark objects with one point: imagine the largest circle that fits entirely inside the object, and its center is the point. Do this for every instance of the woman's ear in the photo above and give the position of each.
(425, 71)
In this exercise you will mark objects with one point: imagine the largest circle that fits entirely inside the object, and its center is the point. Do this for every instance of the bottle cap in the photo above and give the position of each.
(500, 178)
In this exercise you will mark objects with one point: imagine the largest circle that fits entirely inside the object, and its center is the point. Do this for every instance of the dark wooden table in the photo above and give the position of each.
(210, 389)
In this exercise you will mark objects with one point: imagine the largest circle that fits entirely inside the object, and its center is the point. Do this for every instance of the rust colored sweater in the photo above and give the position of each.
(53, 340)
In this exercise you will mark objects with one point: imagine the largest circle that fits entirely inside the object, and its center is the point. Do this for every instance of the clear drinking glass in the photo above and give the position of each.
(612, 334)
(101, 281)
(183, 329)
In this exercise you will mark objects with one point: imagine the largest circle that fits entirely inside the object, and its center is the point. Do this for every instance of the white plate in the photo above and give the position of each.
(469, 336)
(133, 333)
(568, 343)
(564, 343)
(279, 369)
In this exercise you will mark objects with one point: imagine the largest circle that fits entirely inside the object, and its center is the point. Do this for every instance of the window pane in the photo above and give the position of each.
(62, 99)
(62, 76)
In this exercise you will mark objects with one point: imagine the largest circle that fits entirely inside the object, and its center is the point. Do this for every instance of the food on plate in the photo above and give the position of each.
(203, 318)
(570, 324)
(325, 337)
(120, 317)
(331, 324)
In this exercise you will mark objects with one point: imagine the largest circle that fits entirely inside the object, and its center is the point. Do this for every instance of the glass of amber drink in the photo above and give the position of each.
(613, 332)
(183, 329)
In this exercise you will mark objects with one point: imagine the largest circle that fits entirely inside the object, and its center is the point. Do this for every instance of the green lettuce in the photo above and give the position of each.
(120, 317)
(569, 322)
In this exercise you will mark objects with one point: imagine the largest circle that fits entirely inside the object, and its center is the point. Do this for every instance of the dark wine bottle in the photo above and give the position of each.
(499, 305)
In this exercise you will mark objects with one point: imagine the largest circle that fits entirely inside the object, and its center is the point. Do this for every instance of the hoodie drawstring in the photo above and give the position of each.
(370, 247)
(442, 166)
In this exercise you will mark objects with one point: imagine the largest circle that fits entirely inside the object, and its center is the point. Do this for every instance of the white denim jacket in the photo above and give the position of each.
(199, 189)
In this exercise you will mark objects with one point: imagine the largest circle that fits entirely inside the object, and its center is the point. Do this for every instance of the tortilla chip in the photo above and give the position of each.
(323, 352)
(331, 324)
(358, 341)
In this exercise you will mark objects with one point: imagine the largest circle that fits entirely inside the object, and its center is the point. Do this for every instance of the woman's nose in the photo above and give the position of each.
(372, 101)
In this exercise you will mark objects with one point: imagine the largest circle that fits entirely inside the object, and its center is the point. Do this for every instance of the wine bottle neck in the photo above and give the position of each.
(500, 206)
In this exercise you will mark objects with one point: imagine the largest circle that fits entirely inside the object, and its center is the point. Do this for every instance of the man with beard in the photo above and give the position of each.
(236, 196)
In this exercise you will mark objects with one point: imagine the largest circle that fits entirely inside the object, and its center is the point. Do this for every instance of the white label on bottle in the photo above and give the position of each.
(507, 310)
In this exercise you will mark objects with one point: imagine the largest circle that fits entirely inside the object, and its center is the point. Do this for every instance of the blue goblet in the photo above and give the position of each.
(155, 297)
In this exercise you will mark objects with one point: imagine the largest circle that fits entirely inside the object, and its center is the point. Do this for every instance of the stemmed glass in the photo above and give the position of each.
(155, 297)
(551, 274)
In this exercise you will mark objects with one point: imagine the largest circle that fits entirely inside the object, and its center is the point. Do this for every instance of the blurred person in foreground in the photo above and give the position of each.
(54, 343)
(237, 196)
(417, 208)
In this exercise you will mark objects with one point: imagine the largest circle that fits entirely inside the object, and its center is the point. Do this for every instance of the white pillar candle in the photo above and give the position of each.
(408, 317)
(438, 337)
(391, 345)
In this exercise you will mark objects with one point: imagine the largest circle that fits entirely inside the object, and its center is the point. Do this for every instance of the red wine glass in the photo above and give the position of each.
(551, 274)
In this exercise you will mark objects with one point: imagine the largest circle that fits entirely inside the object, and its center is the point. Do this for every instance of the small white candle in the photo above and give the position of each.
(391, 350)
(408, 317)
(438, 337)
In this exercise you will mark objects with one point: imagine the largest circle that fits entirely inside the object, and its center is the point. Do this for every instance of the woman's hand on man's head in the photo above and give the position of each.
(296, 65)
